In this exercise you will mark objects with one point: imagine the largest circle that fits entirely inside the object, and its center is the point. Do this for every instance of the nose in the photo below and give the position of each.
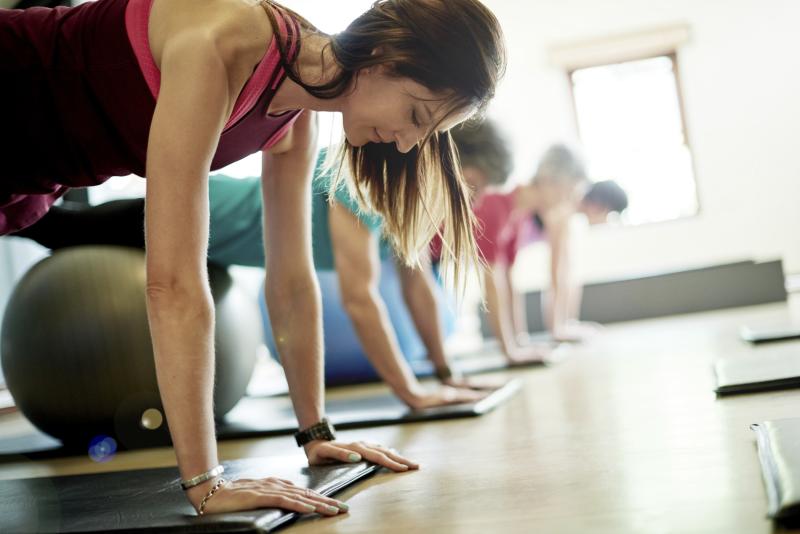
(406, 140)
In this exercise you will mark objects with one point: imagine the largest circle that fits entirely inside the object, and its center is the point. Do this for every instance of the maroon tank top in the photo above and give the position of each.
(77, 109)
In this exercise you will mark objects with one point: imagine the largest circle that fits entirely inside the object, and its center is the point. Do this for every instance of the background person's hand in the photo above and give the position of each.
(251, 494)
(531, 354)
(577, 331)
(443, 396)
(474, 383)
(321, 452)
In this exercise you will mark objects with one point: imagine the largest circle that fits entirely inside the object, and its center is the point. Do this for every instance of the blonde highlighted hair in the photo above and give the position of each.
(451, 47)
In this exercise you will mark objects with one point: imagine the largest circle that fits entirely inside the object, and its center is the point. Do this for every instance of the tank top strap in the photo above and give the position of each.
(288, 40)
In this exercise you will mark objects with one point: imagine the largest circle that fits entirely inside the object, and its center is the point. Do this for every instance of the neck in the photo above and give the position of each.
(315, 65)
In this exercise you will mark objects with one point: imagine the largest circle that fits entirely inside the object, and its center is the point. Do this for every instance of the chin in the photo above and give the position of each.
(353, 138)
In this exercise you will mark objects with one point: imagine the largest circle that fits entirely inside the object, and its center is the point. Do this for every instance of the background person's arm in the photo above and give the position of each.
(497, 296)
(419, 295)
(355, 251)
(562, 300)
(517, 310)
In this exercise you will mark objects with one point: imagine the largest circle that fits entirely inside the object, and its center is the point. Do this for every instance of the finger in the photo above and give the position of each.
(286, 502)
(377, 457)
(399, 458)
(325, 508)
(311, 495)
(339, 453)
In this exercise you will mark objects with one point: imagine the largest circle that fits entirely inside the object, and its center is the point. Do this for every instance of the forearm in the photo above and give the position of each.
(295, 311)
(376, 334)
(559, 304)
(420, 300)
(517, 311)
(497, 312)
(182, 326)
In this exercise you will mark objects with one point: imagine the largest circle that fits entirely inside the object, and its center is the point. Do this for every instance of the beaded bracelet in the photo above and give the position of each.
(217, 485)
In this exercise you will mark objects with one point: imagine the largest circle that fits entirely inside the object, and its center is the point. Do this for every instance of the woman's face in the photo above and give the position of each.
(387, 109)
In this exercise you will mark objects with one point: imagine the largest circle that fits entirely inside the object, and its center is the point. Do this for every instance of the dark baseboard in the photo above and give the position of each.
(716, 287)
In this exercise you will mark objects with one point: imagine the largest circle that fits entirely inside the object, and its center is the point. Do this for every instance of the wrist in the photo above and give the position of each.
(410, 392)
(197, 493)
(322, 430)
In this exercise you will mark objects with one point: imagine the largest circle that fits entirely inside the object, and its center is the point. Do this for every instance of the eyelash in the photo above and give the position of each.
(414, 120)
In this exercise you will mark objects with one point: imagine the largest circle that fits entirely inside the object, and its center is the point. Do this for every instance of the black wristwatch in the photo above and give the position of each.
(322, 430)
(444, 373)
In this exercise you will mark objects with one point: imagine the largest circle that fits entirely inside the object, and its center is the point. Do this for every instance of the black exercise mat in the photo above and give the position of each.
(758, 371)
(487, 359)
(151, 501)
(757, 337)
(779, 453)
(274, 416)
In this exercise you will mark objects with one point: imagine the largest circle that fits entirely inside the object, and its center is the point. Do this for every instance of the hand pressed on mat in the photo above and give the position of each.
(272, 492)
(530, 354)
(443, 396)
(326, 452)
(250, 494)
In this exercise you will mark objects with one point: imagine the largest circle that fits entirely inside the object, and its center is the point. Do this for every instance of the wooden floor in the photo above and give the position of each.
(624, 436)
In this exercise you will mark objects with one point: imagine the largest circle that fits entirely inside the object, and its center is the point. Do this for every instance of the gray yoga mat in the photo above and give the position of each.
(779, 453)
(759, 370)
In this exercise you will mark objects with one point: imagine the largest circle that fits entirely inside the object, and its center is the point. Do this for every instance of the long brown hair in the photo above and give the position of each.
(451, 47)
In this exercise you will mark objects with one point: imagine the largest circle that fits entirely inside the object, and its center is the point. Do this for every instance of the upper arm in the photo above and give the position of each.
(181, 145)
(286, 185)
(355, 252)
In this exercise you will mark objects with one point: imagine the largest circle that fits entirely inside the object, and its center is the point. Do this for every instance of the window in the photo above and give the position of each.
(631, 126)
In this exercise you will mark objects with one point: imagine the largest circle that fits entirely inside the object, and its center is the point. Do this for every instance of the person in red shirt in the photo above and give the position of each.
(507, 221)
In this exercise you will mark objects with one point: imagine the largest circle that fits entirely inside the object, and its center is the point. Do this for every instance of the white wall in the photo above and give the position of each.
(740, 83)
(740, 79)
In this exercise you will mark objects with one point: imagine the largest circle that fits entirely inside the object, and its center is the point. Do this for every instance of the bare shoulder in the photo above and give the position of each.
(239, 29)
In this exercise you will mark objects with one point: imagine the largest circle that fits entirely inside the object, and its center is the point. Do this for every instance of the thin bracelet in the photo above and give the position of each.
(202, 477)
(202, 508)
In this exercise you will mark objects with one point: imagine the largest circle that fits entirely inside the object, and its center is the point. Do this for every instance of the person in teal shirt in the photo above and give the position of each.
(380, 319)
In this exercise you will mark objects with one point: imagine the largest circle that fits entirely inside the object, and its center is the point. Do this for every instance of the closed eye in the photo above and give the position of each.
(414, 119)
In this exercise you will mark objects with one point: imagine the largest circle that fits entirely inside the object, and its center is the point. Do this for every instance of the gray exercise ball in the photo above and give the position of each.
(77, 355)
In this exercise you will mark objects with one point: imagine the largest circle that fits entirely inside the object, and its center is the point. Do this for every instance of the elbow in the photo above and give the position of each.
(168, 296)
(357, 302)
(281, 291)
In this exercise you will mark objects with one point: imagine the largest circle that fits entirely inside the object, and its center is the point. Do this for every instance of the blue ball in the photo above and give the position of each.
(345, 361)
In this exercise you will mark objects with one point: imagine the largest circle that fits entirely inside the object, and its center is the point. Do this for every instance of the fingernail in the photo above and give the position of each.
(310, 507)
(343, 506)
(353, 457)
(332, 509)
